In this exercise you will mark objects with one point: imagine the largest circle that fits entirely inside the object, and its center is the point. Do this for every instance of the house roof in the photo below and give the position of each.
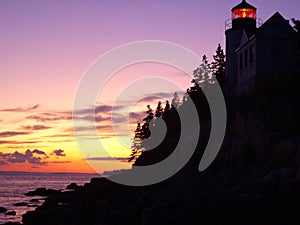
(276, 26)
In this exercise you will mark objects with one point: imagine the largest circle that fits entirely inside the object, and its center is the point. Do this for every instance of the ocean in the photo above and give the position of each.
(15, 184)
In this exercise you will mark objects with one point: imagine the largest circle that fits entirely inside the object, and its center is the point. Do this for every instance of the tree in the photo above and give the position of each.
(185, 97)
(141, 133)
(159, 110)
(175, 101)
(149, 113)
(167, 109)
(205, 60)
(218, 66)
(201, 75)
(136, 147)
(296, 24)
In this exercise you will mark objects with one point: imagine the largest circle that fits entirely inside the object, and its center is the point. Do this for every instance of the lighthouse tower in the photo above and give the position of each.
(242, 22)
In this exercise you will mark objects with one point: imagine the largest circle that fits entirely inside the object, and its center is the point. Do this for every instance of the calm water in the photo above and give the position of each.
(14, 185)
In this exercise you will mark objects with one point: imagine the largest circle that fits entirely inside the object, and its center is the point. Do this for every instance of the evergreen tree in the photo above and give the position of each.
(167, 109)
(185, 97)
(205, 60)
(136, 148)
(218, 66)
(201, 75)
(159, 110)
(175, 101)
(296, 24)
(149, 113)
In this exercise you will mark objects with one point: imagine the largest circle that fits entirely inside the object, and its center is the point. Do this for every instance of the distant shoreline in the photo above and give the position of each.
(25, 172)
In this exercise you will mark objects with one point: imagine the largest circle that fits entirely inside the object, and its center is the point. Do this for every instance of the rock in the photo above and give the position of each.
(42, 192)
(73, 186)
(32, 205)
(11, 213)
(20, 204)
(3, 210)
(284, 151)
(12, 223)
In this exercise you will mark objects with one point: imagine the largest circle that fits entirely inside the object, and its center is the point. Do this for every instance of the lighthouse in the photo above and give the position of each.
(242, 22)
(258, 54)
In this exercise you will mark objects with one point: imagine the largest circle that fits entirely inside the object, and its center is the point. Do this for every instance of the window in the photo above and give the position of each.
(241, 61)
(252, 54)
(246, 58)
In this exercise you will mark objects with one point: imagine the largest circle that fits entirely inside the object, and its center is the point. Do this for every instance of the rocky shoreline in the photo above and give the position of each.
(35, 202)
(245, 196)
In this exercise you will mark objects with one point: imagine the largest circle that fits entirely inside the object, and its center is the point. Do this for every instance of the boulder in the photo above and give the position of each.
(73, 186)
(42, 192)
(11, 213)
(20, 204)
(3, 210)
(12, 223)
(284, 151)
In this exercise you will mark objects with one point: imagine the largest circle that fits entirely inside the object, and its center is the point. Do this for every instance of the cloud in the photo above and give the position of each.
(107, 158)
(99, 128)
(17, 142)
(94, 118)
(54, 116)
(66, 161)
(34, 157)
(134, 116)
(58, 152)
(98, 109)
(20, 109)
(18, 157)
(39, 152)
(12, 133)
(36, 127)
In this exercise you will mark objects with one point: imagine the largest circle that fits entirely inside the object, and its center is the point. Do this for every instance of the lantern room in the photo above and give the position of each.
(244, 13)
(244, 17)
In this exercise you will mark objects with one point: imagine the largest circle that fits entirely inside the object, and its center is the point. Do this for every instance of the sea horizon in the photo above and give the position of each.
(16, 183)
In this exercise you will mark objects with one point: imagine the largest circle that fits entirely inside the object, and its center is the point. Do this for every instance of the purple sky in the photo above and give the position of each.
(46, 46)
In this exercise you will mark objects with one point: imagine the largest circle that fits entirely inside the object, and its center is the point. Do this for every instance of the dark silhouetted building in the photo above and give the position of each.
(257, 52)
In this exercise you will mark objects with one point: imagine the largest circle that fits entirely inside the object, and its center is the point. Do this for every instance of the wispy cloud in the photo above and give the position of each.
(107, 158)
(12, 133)
(6, 142)
(100, 128)
(65, 161)
(36, 127)
(54, 116)
(20, 109)
(98, 109)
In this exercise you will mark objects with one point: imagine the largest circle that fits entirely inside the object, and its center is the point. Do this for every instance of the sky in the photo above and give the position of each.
(47, 46)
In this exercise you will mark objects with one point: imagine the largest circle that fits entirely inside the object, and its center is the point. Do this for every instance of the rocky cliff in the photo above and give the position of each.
(254, 179)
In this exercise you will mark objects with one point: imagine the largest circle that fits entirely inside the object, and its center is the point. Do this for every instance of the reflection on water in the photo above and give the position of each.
(15, 185)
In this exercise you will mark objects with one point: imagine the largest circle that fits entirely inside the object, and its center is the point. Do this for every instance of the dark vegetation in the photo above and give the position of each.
(205, 74)
(253, 180)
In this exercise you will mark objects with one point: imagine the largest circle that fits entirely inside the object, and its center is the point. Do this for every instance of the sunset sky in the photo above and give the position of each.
(46, 47)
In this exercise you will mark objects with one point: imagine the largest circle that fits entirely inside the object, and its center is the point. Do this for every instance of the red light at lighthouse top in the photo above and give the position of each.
(244, 10)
